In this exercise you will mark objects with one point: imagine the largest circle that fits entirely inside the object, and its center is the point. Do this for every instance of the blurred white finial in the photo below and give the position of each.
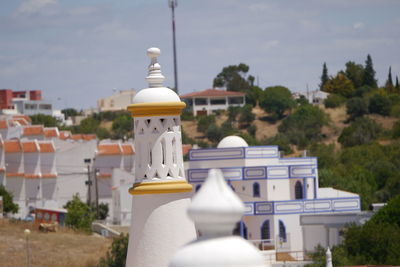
(155, 77)
(216, 209)
(328, 258)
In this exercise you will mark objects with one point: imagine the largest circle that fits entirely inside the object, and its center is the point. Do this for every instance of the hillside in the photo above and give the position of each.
(61, 249)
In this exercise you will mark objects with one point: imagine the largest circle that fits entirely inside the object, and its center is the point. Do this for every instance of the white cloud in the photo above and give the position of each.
(358, 25)
(44, 7)
(270, 44)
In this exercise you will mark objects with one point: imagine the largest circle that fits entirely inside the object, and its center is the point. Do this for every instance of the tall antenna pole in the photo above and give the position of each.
(172, 4)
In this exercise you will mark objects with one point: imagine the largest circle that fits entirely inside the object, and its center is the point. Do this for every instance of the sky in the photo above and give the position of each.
(77, 51)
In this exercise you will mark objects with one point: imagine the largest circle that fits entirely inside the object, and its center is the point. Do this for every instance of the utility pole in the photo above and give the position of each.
(97, 192)
(88, 182)
(173, 4)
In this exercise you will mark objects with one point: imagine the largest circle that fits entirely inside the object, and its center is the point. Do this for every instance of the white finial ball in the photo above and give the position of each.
(153, 52)
(27, 232)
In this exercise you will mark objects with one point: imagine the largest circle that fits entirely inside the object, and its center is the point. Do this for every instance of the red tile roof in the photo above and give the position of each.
(88, 137)
(30, 146)
(14, 174)
(185, 149)
(65, 135)
(109, 149)
(47, 147)
(51, 132)
(49, 175)
(127, 149)
(12, 146)
(104, 175)
(33, 130)
(21, 121)
(32, 176)
(212, 93)
(25, 117)
(3, 124)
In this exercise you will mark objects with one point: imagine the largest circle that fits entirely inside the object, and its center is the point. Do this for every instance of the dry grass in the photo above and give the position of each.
(61, 249)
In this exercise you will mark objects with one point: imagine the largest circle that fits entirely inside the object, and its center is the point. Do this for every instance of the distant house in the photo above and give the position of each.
(118, 101)
(207, 101)
(316, 97)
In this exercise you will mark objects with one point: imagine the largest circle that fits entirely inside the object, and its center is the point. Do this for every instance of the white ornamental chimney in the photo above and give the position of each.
(215, 209)
(161, 194)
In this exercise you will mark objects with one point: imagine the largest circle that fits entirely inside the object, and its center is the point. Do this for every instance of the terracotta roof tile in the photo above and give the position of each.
(25, 117)
(14, 174)
(21, 121)
(212, 93)
(186, 148)
(32, 176)
(30, 146)
(51, 132)
(49, 175)
(109, 149)
(33, 130)
(127, 149)
(12, 146)
(88, 137)
(3, 124)
(47, 147)
(104, 175)
(77, 137)
(65, 135)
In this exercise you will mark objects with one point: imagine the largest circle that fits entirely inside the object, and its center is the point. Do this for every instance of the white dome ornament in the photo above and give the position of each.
(216, 209)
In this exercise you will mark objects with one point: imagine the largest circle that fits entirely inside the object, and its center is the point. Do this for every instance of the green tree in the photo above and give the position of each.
(389, 83)
(79, 216)
(369, 73)
(396, 129)
(214, 133)
(70, 112)
(8, 204)
(334, 101)
(233, 112)
(116, 255)
(102, 133)
(304, 125)
(324, 76)
(253, 95)
(89, 125)
(204, 121)
(356, 107)
(362, 131)
(122, 126)
(233, 78)
(276, 100)
(355, 73)
(397, 84)
(339, 85)
(380, 104)
(246, 115)
(46, 120)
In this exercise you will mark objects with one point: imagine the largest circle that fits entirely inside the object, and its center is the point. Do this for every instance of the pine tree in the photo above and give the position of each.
(324, 76)
(397, 83)
(369, 73)
(389, 82)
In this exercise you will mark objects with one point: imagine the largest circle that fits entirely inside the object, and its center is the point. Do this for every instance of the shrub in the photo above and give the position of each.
(8, 204)
(116, 255)
(214, 133)
(252, 129)
(203, 122)
(361, 131)
(80, 216)
(187, 115)
(281, 141)
(380, 104)
(304, 125)
(246, 115)
(233, 112)
(276, 100)
(334, 101)
(356, 107)
(396, 129)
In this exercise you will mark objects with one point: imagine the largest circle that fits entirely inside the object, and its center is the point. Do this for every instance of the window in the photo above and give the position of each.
(198, 187)
(256, 190)
(45, 106)
(221, 101)
(282, 231)
(30, 106)
(265, 234)
(200, 101)
(298, 190)
(235, 100)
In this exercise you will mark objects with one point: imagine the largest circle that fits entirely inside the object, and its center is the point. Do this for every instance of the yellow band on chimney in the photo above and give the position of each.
(166, 187)
(156, 109)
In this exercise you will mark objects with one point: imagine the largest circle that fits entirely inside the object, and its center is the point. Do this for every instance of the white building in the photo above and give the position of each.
(276, 191)
(207, 101)
(118, 101)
